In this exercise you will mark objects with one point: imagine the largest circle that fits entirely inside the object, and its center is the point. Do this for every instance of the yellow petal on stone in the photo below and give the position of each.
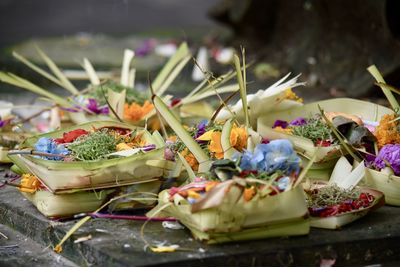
(206, 136)
(163, 249)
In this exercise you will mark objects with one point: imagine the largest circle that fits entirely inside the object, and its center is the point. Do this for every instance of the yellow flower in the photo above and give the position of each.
(290, 95)
(136, 112)
(387, 131)
(29, 183)
(122, 146)
(215, 146)
(283, 130)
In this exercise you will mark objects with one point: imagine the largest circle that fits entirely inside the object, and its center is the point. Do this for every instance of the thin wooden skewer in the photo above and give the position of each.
(32, 152)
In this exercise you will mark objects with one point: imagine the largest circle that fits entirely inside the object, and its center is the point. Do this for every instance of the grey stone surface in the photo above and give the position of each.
(371, 240)
(19, 250)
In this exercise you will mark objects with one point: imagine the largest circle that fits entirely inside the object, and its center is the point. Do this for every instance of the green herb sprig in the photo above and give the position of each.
(94, 146)
(331, 195)
(315, 130)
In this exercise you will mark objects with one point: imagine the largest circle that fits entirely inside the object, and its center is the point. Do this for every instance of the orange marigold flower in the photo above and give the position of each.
(136, 112)
(249, 193)
(238, 140)
(191, 160)
(29, 183)
(387, 131)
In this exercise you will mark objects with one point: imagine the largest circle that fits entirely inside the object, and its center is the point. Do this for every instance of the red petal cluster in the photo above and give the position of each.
(70, 136)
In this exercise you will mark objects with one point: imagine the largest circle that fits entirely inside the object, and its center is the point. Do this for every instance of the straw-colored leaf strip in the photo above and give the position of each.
(171, 77)
(378, 77)
(21, 82)
(110, 106)
(153, 213)
(157, 139)
(244, 70)
(182, 52)
(191, 174)
(225, 140)
(202, 95)
(338, 135)
(219, 81)
(242, 88)
(305, 170)
(94, 79)
(177, 170)
(59, 74)
(36, 68)
(58, 247)
(172, 121)
(128, 56)
(117, 101)
(199, 86)
(389, 87)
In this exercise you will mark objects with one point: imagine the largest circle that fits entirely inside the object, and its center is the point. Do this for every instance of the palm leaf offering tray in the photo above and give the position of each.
(236, 175)
(339, 202)
(309, 133)
(249, 198)
(238, 193)
(64, 205)
(93, 155)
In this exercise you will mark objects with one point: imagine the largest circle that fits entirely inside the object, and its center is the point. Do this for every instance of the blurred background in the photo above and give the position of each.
(330, 42)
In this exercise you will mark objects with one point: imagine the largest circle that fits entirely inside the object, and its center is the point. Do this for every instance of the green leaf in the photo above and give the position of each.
(242, 86)
(229, 151)
(59, 74)
(36, 68)
(181, 53)
(21, 82)
(378, 77)
(186, 138)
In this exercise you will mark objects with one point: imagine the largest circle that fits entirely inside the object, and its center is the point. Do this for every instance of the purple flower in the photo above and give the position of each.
(145, 48)
(369, 160)
(298, 121)
(280, 123)
(201, 129)
(390, 154)
(74, 109)
(3, 123)
(92, 106)
(149, 147)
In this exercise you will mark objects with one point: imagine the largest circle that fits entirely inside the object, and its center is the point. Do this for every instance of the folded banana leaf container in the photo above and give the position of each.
(337, 221)
(62, 176)
(386, 183)
(305, 147)
(283, 214)
(66, 205)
